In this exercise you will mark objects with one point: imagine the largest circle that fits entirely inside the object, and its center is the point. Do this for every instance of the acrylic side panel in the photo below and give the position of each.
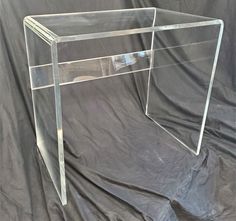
(181, 80)
(39, 54)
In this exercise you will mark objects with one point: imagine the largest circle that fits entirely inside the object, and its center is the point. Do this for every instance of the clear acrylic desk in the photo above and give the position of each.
(176, 53)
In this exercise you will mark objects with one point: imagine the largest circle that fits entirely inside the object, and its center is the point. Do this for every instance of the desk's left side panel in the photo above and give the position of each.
(43, 96)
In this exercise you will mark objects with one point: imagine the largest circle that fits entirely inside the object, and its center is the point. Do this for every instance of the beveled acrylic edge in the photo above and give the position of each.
(220, 37)
(58, 108)
(136, 31)
(43, 32)
(50, 36)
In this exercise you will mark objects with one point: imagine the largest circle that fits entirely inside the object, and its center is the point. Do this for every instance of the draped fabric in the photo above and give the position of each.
(119, 165)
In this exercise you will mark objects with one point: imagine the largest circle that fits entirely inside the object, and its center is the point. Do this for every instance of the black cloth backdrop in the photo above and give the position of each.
(131, 171)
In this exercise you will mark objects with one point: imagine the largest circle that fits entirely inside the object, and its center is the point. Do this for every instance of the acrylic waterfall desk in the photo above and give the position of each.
(177, 53)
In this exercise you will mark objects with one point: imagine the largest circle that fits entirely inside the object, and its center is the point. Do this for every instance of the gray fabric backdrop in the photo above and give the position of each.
(127, 170)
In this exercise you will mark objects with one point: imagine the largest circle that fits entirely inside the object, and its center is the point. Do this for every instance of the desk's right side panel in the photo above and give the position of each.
(184, 62)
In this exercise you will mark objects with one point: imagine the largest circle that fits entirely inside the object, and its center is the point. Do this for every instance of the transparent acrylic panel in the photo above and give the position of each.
(172, 56)
(96, 22)
(165, 18)
(99, 58)
(182, 69)
(99, 24)
(39, 54)
(103, 57)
